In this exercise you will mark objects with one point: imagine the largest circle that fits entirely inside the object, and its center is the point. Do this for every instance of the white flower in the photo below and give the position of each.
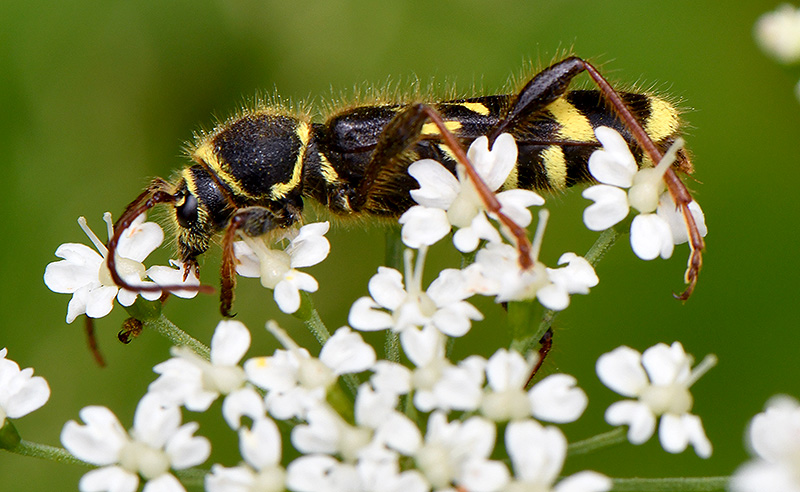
(295, 381)
(554, 398)
(456, 455)
(156, 444)
(277, 269)
(778, 33)
(84, 274)
(376, 471)
(377, 421)
(261, 472)
(660, 380)
(438, 383)
(497, 272)
(405, 308)
(537, 454)
(659, 225)
(447, 201)
(774, 439)
(191, 381)
(20, 392)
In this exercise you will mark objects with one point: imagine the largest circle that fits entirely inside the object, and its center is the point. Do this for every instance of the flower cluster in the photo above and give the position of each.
(417, 420)
(84, 274)
(20, 391)
(778, 34)
(774, 439)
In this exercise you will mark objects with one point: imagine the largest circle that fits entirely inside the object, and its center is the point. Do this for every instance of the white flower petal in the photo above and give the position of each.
(639, 418)
(387, 288)
(621, 370)
(610, 207)
(243, 402)
(164, 483)
(536, 452)
(261, 445)
(651, 237)
(438, 187)
(506, 369)
(186, 450)
(365, 315)
(557, 399)
(140, 239)
(614, 164)
(346, 352)
(230, 342)
(585, 481)
(483, 475)
(390, 377)
(247, 264)
(666, 364)
(310, 246)
(671, 433)
(155, 420)
(287, 296)
(109, 479)
(80, 266)
(423, 226)
(99, 440)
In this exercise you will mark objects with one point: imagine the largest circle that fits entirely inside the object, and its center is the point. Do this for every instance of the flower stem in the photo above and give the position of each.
(610, 438)
(593, 256)
(150, 315)
(178, 337)
(45, 452)
(310, 317)
(601, 246)
(193, 477)
(695, 484)
(393, 259)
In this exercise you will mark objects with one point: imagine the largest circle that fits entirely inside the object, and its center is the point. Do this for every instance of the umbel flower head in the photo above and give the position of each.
(20, 391)
(659, 225)
(774, 440)
(84, 274)
(660, 379)
(277, 268)
(156, 444)
(447, 201)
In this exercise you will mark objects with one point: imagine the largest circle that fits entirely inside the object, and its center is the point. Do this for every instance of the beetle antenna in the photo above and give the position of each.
(158, 192)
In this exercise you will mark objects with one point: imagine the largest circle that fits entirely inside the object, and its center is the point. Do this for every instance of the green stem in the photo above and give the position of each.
(394, 259)
(610, 438)
(601, 246)
(45, 452)
(310, 317)
(593, 256)
(694, 484)
(193, 477)
(176, 336)
(392, 346)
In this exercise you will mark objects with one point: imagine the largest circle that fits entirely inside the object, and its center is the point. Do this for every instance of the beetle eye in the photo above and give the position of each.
(186, 212)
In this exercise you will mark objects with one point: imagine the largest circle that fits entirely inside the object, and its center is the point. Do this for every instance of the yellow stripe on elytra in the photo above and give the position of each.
(573, 125)
(205, 152)
(279, 190)
(476, 107)
(663, 119)
(329, 174)
(432, 129)
(555, 165)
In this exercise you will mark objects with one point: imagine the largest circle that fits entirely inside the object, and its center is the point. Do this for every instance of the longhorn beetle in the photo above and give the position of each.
(251, 173)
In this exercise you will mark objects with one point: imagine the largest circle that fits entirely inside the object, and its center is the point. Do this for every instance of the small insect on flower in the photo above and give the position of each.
(251, 173)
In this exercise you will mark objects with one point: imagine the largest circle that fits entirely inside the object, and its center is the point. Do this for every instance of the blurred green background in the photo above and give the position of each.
(98, 97)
